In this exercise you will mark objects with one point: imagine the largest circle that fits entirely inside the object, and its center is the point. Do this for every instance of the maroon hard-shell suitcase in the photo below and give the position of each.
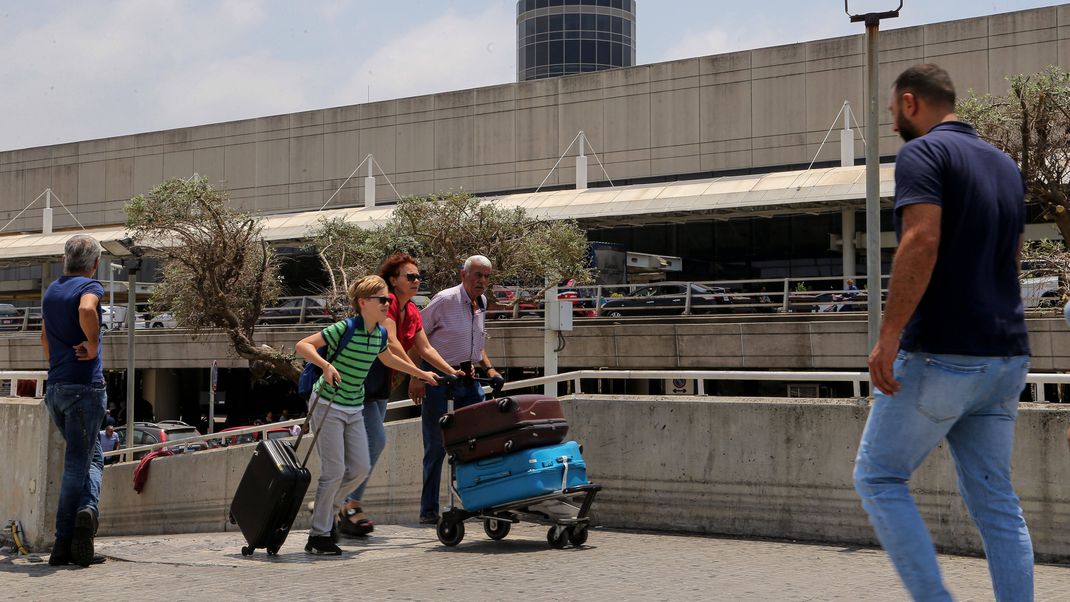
(503, 425)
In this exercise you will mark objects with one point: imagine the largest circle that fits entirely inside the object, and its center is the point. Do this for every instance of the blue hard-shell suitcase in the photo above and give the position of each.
(520, 475)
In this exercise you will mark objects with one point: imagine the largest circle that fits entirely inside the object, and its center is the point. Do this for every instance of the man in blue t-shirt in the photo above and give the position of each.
(943, 368)
(76, 397)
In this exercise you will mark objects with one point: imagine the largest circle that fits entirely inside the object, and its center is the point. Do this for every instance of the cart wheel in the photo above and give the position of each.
(506, 404)
(577, 535)
(496, 528)
(272, 551)
(445, 421)
(246, 551)
(450, 534)
(557, 540)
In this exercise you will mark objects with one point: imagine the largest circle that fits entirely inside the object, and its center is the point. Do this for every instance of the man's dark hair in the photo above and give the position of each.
(928, 82)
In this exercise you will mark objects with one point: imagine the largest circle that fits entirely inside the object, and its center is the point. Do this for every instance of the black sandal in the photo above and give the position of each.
(361, 528)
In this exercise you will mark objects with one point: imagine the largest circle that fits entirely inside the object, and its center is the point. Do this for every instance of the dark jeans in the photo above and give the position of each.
(374, 415)
(433, 408)
(78, 411)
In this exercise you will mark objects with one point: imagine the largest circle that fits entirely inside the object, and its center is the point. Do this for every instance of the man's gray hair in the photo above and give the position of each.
(80, 253)
(477, 260)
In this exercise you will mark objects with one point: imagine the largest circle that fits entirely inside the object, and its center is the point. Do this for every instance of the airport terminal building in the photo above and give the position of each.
(705, 158)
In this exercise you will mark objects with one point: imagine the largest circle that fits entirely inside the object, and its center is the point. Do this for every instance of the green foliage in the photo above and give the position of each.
(441, 231)
(1031, 123)
(218, 271)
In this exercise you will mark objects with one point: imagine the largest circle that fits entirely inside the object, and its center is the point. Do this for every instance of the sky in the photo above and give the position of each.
(78, 70)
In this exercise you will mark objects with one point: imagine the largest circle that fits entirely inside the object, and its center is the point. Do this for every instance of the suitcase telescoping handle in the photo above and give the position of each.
(308, 424)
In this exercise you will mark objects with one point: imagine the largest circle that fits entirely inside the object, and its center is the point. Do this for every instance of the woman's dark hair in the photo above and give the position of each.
(391, 267)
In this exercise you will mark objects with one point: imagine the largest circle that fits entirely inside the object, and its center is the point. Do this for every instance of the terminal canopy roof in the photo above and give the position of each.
(725, 198)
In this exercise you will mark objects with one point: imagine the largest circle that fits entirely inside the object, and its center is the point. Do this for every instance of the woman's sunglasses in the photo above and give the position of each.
(413, 277)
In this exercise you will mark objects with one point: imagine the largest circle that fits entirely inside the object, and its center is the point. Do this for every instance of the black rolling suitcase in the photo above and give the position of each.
(270, 493)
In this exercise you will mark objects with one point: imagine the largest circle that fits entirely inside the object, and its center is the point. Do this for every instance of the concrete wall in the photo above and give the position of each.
(748, 467)
(751, 109)
(700, 343)
(32, 449)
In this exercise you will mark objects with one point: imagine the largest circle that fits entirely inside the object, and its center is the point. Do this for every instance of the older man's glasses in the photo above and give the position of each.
(413, 277)
(382, 300)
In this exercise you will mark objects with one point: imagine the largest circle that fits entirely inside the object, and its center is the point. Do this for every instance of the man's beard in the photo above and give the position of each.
(906, 131)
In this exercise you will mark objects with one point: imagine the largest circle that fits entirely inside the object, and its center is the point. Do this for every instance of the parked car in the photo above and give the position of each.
(164, 320)
(164, 431)
(113, 317)
(227, 440)
(10, 318)
(500, 304)
(288, 311)
(671, 299)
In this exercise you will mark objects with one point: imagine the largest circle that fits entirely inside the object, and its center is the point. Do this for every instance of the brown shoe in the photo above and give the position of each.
(347, 527)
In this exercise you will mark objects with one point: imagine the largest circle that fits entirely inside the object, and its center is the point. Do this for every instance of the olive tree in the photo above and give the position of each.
(1031, 123)
(218, 272)
(441, 231)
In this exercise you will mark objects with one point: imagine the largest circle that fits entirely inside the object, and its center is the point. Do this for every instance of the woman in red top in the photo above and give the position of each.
(406, 330)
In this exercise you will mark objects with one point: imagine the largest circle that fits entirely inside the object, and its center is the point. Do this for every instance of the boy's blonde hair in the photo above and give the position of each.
(365, 287)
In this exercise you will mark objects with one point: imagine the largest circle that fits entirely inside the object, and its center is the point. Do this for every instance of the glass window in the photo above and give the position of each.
(529, 27)
(556, 23)
(588, 54)
(606, 3)
(587, 22)
(626, 27)
(541, 3)
(529, 55)
(603, 53)
(572, 22)
(557, 52)
(618, 4)
(556, 3)
(618, 54)
(572, 51)
(603, 23)
(542, 52)
(615, 24)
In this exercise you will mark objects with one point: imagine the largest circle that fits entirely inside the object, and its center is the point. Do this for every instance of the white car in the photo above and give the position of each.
(164, 320)
(113, 317)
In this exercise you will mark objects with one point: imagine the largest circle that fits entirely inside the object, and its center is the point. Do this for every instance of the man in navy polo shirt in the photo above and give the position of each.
(953, 352)
(76, 398)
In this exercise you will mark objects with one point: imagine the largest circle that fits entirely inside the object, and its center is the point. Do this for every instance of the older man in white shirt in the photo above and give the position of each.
(454, 323)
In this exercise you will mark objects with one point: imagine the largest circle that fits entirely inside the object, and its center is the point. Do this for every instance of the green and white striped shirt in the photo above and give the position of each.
(352, 362)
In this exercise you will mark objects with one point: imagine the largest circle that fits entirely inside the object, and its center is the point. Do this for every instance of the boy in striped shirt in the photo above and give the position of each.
(343, 440)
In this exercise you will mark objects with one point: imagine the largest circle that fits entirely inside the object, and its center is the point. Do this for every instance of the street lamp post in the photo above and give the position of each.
(129, 255)
(873, 192)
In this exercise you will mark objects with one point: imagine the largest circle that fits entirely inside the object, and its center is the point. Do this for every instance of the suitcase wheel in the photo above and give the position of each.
(506, 404)
(275, 551)
(246, 550)
(450, 534)
(445, 421)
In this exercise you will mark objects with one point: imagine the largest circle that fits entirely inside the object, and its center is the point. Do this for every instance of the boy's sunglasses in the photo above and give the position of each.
(382, 300)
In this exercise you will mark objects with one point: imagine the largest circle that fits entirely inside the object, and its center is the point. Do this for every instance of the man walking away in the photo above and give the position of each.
(76, 397)
(945, 370)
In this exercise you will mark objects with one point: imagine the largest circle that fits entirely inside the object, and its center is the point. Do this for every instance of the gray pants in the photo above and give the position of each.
(344, 463)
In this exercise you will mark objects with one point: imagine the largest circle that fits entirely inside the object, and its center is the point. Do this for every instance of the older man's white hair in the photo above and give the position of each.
(477, 260)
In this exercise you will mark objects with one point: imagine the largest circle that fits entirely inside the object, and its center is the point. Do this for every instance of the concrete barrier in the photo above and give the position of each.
(32, 451)
(750, 467)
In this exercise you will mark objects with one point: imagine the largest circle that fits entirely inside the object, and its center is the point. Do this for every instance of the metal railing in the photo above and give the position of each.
(576, 378)
(12, 377)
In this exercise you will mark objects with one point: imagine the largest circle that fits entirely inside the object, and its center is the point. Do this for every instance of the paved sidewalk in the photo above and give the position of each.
(408, 563)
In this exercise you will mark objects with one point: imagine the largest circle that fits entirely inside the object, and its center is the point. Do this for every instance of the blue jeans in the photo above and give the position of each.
(972, 402)
(78, 411)
(434, 407)
(374, 416)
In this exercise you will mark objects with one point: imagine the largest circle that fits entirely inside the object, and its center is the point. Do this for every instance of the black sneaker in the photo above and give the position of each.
(429, 519)
(61, 554)
(82, 542)
(322, 545)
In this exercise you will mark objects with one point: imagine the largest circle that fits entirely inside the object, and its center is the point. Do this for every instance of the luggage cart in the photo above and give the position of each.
(565, 510)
